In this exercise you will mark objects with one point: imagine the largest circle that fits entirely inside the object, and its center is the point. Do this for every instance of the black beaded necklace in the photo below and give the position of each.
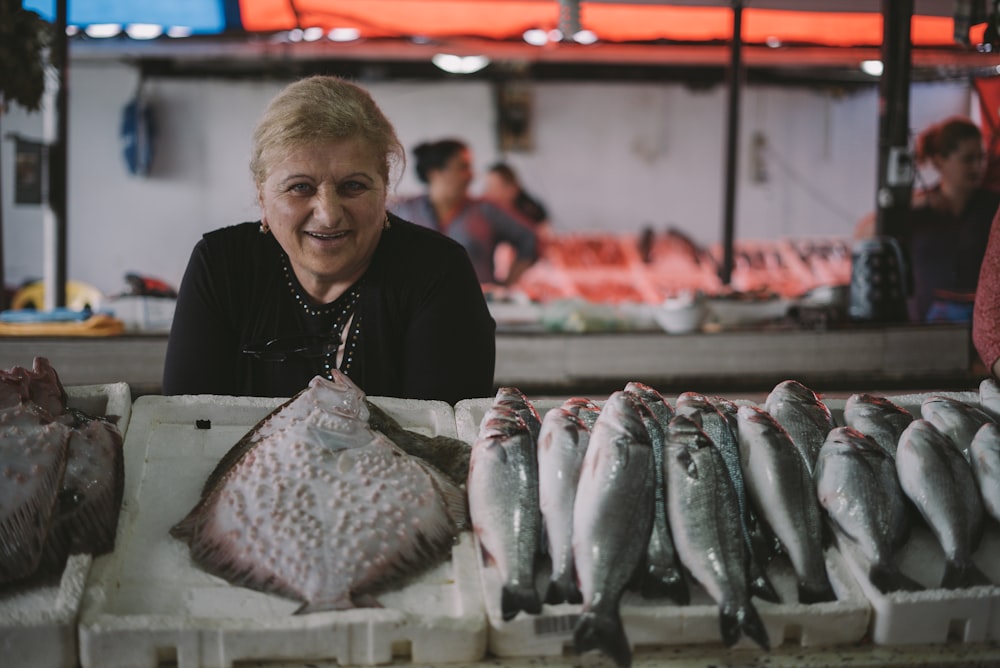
(342, 309)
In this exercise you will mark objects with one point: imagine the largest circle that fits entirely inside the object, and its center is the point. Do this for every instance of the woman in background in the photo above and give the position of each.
(949, 223)
(445, 166)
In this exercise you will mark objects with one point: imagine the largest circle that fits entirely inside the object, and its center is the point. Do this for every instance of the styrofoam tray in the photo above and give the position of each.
(38, 622)
(660, 623)
(147, 602)
(934, 615)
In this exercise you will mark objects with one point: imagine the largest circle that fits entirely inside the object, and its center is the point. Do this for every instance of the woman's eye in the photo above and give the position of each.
(353, 188)
(301, 188)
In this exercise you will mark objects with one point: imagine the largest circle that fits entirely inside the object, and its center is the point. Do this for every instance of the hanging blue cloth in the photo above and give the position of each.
(138, 133)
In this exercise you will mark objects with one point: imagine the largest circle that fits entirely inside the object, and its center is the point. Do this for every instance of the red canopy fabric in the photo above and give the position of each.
(508, 19)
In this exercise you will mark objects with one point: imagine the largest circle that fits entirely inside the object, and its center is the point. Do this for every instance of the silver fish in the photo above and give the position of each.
(956, 419)
(719, 429)
(784, 496)
(661, 574)
(857, 485)
(806, 419)
(612, 522)
(504, 504)
(935, 475)
(989, 397)
(562, 444)
(313, 505)
(878, 418)
(984, 456)
(517, 400)
(705, 519)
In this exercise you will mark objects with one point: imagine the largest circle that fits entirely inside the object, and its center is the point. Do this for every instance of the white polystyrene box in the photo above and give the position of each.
(934, 615)
(38, 622)
(148, 602)
(660, 622)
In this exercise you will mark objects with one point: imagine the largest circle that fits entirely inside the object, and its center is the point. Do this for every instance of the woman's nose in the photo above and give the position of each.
(327, 204)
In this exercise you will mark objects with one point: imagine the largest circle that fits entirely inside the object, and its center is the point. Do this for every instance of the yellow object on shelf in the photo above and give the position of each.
(96, 325)
(79, 296)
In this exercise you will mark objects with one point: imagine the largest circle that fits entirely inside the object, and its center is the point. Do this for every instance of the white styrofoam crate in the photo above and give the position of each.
(148, 602)
(661, 623)
(934, 615)
(38, 622)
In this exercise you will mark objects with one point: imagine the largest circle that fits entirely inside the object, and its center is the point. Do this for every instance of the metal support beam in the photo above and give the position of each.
(735, 75)
(57, 153)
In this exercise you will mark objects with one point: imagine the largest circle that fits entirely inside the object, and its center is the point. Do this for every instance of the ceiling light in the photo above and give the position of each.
(72, 30)
(179, 31)
(103, 30)
(343, 34)
(773, 42)
(460, 64)
(536, 37)
(872, 67)
(312, 34)
(143, 30)
(585, 37)
(295, 35)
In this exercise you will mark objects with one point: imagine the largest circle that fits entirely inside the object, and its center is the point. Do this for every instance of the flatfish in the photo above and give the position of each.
(857, 485)
(503, 501)
(612, 522)
(562, 444)
(705, 519)
(935, 475)
(313, 505)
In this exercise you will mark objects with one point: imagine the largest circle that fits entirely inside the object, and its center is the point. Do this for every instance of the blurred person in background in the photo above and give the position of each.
(445, 166)
(327, 278)
(503, 186)
(949, 224)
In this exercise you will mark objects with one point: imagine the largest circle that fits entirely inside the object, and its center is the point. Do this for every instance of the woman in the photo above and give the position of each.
(504, 187)
(950, 222)
(480, 226)
(327, 278)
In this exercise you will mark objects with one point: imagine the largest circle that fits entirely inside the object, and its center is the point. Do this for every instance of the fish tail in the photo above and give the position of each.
(514, 598)
(735, 621)
(811, 593)
(959, 574)
(563, 589)
(888, 579)
(668, 583)
(760, 585)
(604, 633)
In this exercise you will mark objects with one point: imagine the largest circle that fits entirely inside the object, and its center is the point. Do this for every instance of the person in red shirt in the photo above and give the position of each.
(986, 310)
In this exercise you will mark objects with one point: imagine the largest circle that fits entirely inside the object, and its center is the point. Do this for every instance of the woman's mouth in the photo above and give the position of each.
(327, 236)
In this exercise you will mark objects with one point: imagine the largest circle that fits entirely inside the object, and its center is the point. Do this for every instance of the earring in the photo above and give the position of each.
(385, 223)
(264, 229)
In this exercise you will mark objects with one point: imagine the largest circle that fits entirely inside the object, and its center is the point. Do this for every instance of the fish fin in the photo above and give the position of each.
(742, 620)
(888, 579)
(456, 501)
(341, 603)
(811, 594)
(959, 575)
(563, 590)
(514, 599)
(605, 634)
(760, 585)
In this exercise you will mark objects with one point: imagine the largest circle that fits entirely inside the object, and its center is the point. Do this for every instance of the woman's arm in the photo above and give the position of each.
(517, 232)
(986, 311)
(200, 349)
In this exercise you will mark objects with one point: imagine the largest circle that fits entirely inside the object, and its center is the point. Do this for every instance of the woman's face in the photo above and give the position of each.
(499, 189)
(964, 167)
(456, 174)
(325, 205)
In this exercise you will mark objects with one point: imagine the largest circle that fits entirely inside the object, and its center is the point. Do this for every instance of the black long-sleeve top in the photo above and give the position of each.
(424, 330)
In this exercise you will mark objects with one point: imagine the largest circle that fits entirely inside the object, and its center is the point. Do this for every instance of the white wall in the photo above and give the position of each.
(607, 157)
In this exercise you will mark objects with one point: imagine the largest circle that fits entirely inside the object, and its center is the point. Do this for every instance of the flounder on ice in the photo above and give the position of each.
(315, 506)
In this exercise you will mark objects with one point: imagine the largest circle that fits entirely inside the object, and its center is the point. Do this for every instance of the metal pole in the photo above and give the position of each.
(732, 142)
(57, 152)
(895, 164)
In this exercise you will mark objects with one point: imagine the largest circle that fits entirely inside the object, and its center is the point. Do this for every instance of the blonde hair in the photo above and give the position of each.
(323, 108)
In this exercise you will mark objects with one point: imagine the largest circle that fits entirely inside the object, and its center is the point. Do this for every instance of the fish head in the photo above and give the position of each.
(341, 395)
(621, 418)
